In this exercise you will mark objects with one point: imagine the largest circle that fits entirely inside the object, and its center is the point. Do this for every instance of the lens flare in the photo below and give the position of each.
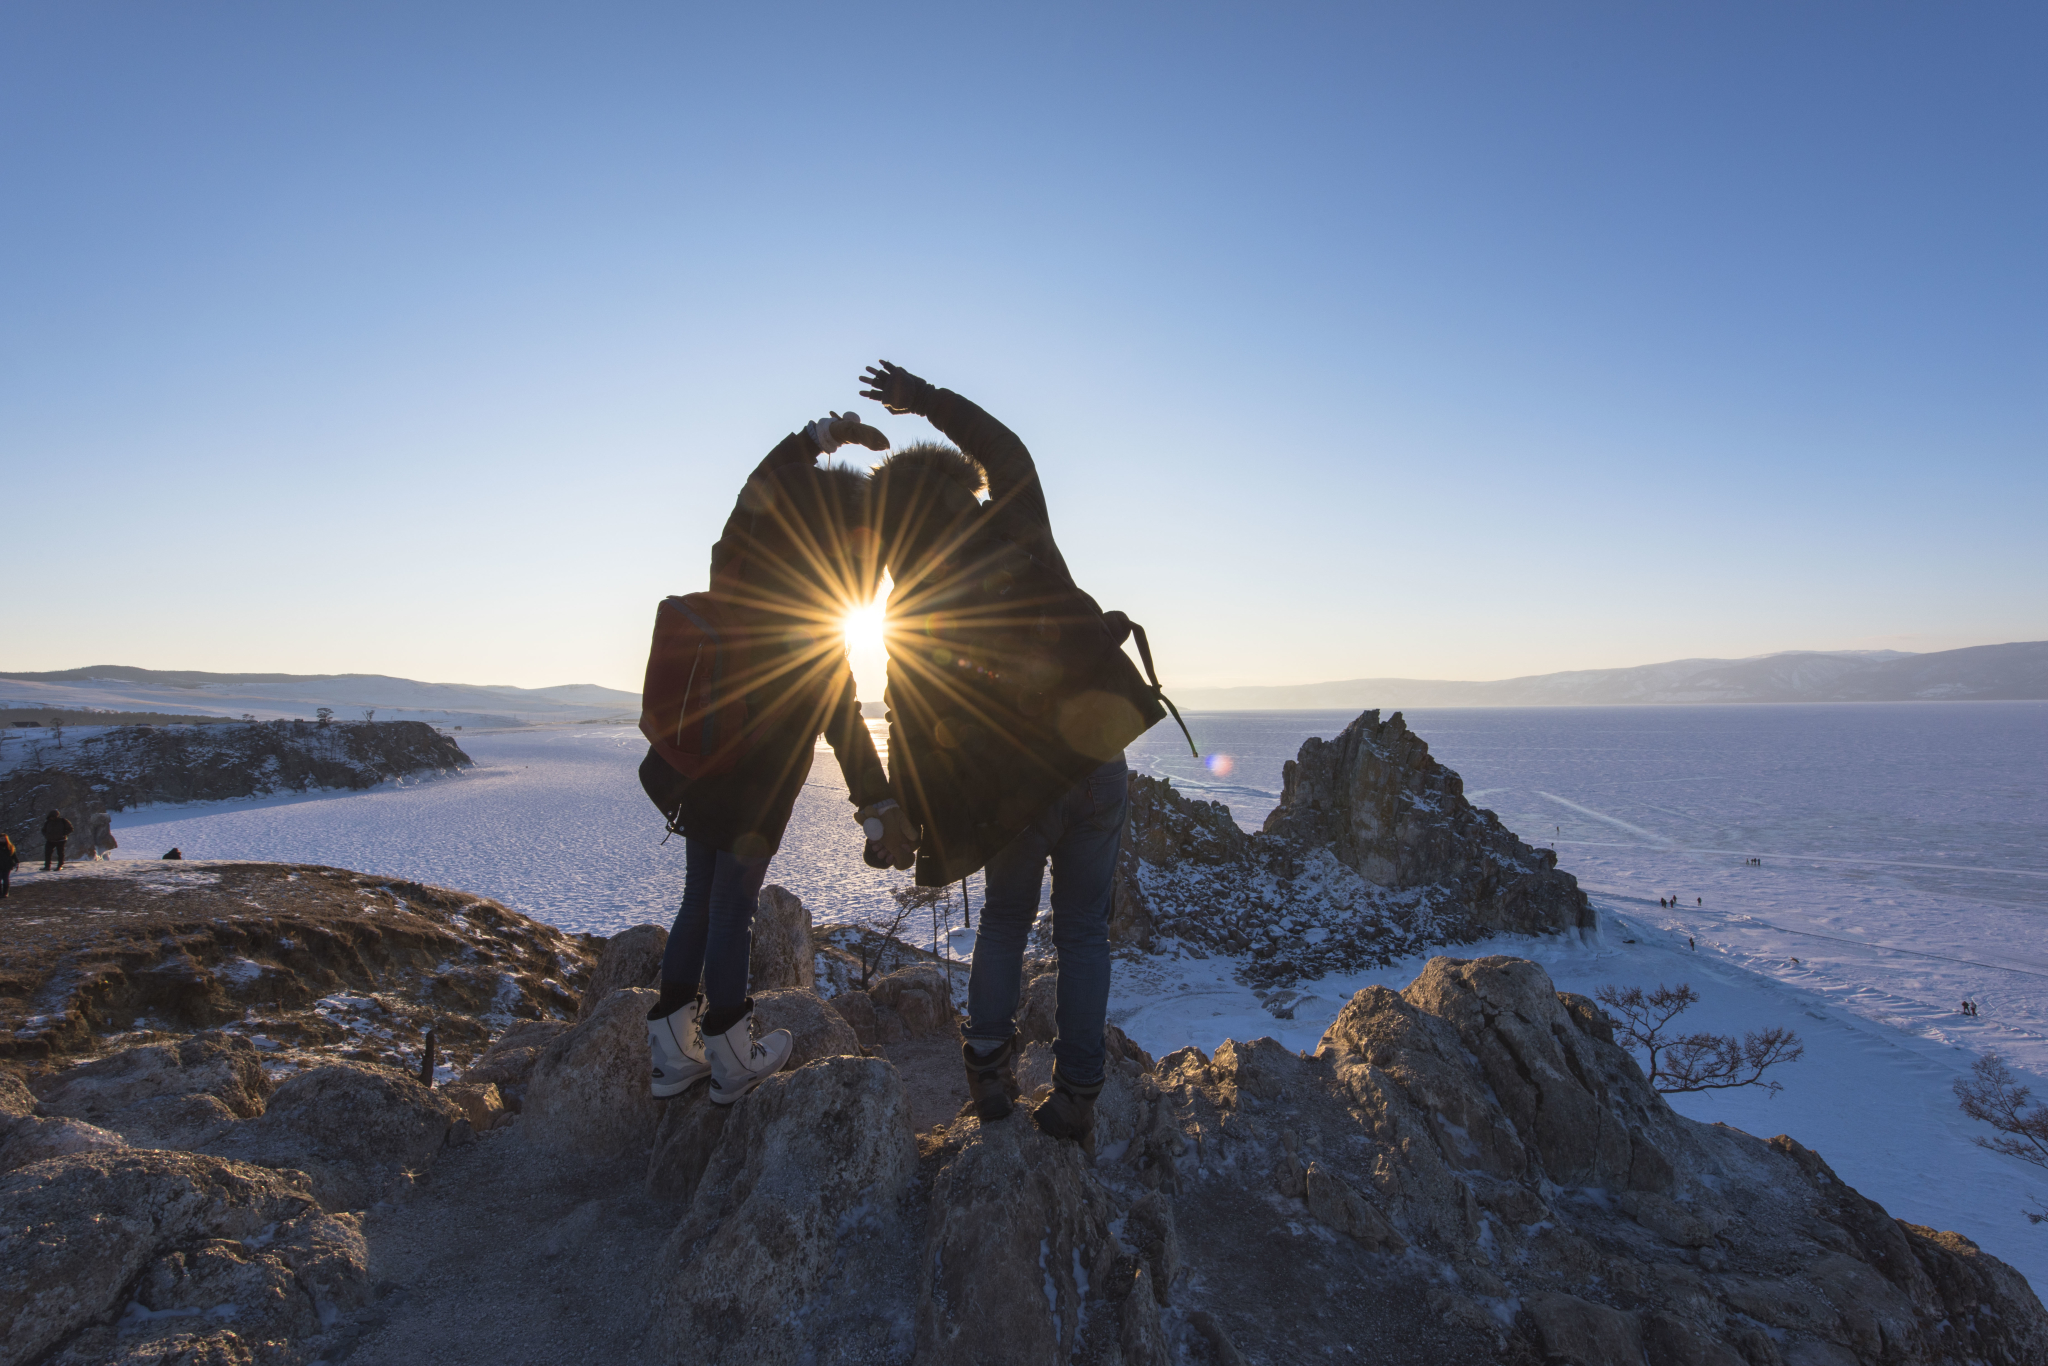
(864, 626)
(1219, 764)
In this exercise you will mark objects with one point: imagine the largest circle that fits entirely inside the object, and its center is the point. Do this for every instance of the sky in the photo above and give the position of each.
(1417, 340)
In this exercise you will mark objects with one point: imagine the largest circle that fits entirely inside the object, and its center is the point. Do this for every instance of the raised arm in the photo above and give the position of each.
(1016, 498)
(822, 437)
(800, 447)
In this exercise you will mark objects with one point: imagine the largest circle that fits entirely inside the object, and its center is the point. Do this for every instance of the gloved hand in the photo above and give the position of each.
(896, 388)
(896, 846)
(836, 429)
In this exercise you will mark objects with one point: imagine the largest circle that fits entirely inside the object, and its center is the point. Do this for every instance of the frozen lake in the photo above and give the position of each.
(1903, 866)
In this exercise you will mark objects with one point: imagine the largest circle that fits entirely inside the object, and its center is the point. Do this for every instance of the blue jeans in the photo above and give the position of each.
(714, 928)
(1079, 833)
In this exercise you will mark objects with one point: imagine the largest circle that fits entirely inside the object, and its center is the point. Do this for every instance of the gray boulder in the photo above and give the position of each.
(857, 1008)
(920, 997)
(508, 1063)
(630, 958)
(32, 1138)
(224, 1066)
(359, 1131)
(179, 1233)
(781, 956)
(589, 1091)
(818, 1029)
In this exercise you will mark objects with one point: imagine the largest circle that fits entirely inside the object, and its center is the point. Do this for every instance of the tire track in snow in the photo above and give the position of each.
(1615, 821)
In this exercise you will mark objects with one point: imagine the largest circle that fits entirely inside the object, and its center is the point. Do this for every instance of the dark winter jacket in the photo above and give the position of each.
(1006, 684)
(791, 528)
(56, 829)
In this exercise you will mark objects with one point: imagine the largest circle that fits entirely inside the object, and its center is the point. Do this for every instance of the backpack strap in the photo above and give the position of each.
(1122, 628)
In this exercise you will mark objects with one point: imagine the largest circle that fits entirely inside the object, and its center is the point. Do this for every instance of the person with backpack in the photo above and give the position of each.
(56, 831)
(1010, 702)
(763, 671)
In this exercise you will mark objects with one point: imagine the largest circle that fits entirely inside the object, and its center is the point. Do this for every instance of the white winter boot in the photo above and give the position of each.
(738, 1063)
(675, 1046)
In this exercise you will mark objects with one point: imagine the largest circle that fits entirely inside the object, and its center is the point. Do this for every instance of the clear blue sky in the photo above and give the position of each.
(1432, 340)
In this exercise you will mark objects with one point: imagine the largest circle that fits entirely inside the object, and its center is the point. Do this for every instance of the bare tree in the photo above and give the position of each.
(1994, 1095)
(873, 947)
(369, 713)
(1701, 1061)
(926, 898)
(57, 725)
(322, 715)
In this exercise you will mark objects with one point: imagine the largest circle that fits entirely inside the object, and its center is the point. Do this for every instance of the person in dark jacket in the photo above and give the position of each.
(792, 560)
(10, 858)
(56, 831)
(1010, 703)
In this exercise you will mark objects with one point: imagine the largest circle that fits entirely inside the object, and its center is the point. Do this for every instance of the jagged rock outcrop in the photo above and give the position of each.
(1372, 854)
(1485, 1129)
(792, 1248)
(1474, 1154)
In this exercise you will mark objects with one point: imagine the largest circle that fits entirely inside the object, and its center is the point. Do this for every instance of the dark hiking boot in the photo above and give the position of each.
(1069, 1112)
(992, 1079)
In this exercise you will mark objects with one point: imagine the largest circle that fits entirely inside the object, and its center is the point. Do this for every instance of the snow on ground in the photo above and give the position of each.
(1904, 867)
(551, 821)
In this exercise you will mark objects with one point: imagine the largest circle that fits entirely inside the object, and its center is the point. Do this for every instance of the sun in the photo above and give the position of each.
(867, 652)
(864, 625)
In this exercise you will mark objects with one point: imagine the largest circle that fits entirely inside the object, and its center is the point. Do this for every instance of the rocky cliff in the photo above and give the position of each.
(1466, 1171)
(123, 766)
(1372, 854)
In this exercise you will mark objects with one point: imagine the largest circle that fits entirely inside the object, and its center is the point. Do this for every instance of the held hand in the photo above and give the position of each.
(894, 387)
(899, 839)
(847, 427)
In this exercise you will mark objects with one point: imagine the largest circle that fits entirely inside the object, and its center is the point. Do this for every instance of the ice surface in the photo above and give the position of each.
(1904, 854)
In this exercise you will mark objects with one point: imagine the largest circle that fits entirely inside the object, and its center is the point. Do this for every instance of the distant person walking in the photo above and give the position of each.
(56, 831)
(9, 858)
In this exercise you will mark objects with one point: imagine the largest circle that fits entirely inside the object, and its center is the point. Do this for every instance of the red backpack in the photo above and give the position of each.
(693, 706)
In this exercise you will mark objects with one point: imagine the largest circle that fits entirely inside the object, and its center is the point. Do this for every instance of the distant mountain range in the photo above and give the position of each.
(1982, 673)
(117, 687)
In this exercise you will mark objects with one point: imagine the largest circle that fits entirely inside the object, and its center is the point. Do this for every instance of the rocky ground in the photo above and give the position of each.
(1373, 854)
(1469, 1170)
(101, 770)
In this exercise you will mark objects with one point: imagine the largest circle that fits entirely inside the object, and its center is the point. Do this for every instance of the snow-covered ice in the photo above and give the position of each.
(1904, 867)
